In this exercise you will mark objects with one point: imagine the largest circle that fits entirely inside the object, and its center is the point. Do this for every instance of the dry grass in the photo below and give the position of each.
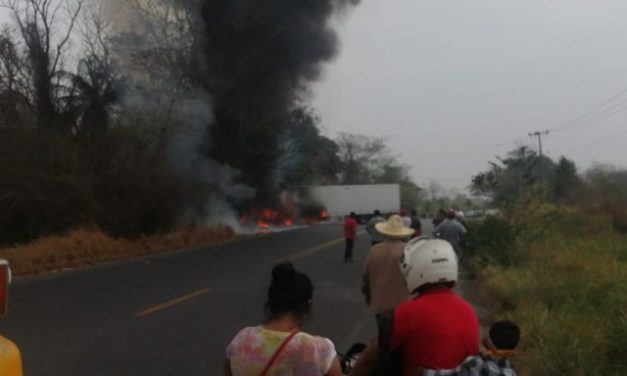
(87, 246)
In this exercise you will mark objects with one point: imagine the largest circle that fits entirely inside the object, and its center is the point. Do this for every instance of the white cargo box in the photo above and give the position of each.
(340, 200)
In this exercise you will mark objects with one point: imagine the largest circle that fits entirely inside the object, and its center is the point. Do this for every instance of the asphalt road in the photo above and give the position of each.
(174, 314)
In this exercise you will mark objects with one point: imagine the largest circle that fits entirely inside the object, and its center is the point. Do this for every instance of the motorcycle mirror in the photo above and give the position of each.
(5, 279)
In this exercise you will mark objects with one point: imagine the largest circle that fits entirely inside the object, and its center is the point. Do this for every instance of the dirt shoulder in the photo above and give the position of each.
(89, 246)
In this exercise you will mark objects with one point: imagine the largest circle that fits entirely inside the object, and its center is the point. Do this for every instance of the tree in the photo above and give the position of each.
(306, 157)
(506, 179)
(65, 158)
(394, 172)
(608, 182)
(566, 180)
(361, 157)
(367, 160)
(38, 78)
(522, 171)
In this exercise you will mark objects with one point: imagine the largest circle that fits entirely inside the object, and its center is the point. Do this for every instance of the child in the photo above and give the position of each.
(499, 346)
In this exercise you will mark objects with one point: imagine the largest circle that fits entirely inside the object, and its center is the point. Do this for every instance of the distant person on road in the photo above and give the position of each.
(350, 235)
(405, 218)
(459, 216)
(375, 236)
(415, 224)
(439, 218)
(453, 232)
(383, 284)
(279, 347)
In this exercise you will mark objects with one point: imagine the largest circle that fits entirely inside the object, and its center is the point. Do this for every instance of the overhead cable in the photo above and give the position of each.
(600, 112)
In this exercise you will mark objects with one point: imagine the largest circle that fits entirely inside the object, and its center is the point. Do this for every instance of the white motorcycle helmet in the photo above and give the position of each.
(427, 260)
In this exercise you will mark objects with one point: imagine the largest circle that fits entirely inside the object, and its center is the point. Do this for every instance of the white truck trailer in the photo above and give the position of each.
(341, 200)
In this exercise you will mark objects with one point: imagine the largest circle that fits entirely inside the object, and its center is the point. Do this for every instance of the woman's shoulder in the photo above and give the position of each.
(248, 330)
(314, 349)
(245, 335)
(318, 344)
(302, 338)
(307, 337)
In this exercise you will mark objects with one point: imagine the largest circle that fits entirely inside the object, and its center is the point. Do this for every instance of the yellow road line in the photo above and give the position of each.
(171, 303)
(193, 295)
(315, 249)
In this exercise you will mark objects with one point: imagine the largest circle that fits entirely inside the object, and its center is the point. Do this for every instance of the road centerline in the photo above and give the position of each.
(315, 249)
(171, 303)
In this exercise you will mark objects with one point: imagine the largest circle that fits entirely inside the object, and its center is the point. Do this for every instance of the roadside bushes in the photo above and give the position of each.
(565, 285)
(492, 241)
(51, 183)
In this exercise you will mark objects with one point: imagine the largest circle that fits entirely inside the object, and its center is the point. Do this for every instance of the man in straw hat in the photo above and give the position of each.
(383, 283)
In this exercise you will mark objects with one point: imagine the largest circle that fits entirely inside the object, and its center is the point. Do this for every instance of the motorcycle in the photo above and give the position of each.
(347, 360)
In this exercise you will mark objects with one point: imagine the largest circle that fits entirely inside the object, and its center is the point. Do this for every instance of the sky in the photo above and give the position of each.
(451, 84)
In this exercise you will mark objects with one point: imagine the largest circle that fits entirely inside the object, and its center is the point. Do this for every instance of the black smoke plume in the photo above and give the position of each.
(257, 59)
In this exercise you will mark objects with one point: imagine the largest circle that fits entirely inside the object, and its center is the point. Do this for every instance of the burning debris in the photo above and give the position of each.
(293, 211)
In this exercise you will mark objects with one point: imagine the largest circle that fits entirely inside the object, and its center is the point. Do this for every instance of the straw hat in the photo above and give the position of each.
(394, 228)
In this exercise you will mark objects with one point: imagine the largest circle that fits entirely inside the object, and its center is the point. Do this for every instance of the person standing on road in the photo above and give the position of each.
(350, 235)
(416, 224)
(279, 347)
(453, 232)
(383, 284)
(375, 236)
(439, 218)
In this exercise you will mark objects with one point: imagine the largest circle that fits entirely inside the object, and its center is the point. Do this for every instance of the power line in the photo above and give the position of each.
(598, 141)
(595, 114)
(612, 111)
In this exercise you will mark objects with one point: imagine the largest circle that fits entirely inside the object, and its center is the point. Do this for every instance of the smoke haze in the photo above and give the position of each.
(222, 78)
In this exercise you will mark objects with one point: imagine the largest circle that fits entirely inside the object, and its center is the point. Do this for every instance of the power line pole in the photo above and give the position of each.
(539, 135)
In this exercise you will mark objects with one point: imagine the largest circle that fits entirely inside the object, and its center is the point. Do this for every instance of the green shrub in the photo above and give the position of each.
(619, 220)
(492, 240)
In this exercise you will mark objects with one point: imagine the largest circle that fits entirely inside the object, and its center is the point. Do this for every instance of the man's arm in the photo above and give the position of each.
(365, 288)
(436, 230)
(354, 229)
(336, 368)
(365, 280)
(462, 232)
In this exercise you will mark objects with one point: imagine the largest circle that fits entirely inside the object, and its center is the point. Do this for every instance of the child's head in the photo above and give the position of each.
(504, 335)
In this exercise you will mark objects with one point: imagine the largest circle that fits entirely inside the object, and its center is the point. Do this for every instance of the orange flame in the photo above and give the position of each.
(262, 224)
(269, 215)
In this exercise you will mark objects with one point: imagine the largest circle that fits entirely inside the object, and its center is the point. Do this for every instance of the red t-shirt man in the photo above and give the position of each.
(350, 234)
(436, 330)
(350, 228)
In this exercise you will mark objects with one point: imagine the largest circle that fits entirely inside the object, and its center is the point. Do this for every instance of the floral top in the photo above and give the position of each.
(304, 355)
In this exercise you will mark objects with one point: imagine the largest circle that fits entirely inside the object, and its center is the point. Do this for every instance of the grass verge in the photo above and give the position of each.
(563, 282)
(88, 246)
